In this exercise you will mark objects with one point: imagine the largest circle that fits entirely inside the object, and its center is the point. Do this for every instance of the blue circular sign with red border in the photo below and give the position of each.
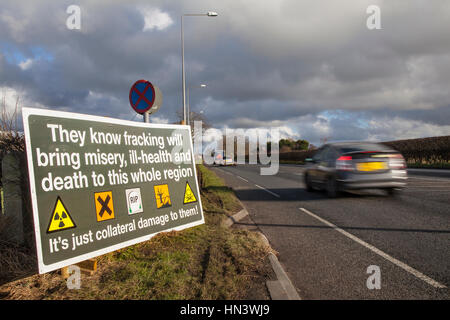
(142, 96)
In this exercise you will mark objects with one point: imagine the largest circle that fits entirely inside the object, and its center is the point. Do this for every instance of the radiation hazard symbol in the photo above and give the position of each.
(162, 196)
(189, 196)
(61, 219)
(104, 205)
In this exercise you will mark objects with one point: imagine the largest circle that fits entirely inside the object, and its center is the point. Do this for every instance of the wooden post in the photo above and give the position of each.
(87, 267)
(65, 272)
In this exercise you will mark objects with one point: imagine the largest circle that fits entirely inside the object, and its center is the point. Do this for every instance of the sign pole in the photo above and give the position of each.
(147, 117)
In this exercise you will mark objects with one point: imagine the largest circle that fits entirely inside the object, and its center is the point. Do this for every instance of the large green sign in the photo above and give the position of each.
(100, 184)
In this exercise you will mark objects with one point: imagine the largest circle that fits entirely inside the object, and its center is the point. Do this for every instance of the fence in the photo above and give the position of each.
(16, 219)
(424, 151)
(432, 151)
(300, 155)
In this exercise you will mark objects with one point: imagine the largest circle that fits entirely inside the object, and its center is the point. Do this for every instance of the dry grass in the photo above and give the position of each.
(218, 198)
(16, 261)
(205, 262)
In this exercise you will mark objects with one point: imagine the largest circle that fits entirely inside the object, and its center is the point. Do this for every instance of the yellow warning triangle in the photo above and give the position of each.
(189, 195)
(60, 219)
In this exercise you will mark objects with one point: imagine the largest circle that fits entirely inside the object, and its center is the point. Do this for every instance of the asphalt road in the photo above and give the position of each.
(327, 245)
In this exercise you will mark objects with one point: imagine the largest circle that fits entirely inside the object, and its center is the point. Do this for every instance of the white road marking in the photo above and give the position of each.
(242, 178)
(440, 179)
(435, 186)
(398, 263)
(272, 193)
(430, 184)
(226, 171)
(418, 190)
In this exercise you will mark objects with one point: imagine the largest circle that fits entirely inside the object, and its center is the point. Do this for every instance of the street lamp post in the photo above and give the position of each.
(183, 74)
(188, 117)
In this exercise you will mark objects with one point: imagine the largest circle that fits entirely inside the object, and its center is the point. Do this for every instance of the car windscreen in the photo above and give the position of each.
(364, 147)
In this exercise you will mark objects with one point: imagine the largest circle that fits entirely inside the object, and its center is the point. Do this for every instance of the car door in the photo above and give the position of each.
(323, 165)
(316, 171)
(329, 164)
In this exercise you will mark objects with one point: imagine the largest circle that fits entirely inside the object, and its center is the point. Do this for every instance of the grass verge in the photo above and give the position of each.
(204, 262)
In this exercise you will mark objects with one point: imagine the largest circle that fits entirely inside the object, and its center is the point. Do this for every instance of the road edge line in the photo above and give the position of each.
(268, 191)
(282, 288)
(283, 279)
(382, 254)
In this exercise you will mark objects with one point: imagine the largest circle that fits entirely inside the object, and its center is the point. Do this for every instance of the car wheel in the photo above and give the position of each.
(393, 192)
(308, 184)
(331, 188)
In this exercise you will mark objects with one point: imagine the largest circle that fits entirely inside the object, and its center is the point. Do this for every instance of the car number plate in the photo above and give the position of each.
(371, 166)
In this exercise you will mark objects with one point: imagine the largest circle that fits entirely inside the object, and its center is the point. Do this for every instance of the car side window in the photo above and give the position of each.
(330, 157)
(318, 155)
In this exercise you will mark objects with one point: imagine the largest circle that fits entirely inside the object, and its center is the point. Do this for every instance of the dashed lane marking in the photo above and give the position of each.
(272, 193)
(242, 178)
(398, 263)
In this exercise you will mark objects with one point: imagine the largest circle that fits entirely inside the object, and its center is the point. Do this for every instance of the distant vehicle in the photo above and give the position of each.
(355, 165)
(228, 161)
(218, 158)
(218, 162)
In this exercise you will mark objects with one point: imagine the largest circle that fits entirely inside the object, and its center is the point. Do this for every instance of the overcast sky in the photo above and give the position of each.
(310, 68)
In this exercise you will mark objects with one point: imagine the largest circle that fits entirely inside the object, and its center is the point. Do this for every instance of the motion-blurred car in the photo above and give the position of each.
(356, 165)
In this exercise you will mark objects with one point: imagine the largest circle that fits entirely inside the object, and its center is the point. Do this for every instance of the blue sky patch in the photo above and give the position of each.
(16, 55)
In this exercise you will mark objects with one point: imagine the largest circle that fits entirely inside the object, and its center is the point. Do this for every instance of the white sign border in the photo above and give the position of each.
(26, 112)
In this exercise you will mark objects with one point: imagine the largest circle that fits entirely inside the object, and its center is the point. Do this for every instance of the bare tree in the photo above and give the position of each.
(10, 137)
(196, 116)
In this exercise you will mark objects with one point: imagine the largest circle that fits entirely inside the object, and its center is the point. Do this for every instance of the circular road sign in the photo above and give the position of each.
(142, 96)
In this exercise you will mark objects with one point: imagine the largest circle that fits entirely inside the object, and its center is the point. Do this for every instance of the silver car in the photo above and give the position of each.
(355, 165)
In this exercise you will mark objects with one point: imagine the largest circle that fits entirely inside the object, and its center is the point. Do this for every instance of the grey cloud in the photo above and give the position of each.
(265, 63)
